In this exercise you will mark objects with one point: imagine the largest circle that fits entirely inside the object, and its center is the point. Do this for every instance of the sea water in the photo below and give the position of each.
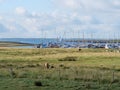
(29, 40)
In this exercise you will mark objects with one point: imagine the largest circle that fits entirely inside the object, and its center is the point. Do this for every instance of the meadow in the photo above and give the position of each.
(68, 69)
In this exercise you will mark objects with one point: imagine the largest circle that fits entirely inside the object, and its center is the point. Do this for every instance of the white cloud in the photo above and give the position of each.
(88, 5)
(116, 2)
(1, 17)
(55, 24)
(89, 16)
(20, 11)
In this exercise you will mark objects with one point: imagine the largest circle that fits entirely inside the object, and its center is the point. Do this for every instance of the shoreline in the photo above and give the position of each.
(13, 44)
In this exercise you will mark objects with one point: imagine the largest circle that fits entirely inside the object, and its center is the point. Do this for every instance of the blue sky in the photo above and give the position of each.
(59, 18)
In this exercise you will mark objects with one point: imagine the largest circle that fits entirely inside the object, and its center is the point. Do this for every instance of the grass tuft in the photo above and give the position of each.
(68, 59)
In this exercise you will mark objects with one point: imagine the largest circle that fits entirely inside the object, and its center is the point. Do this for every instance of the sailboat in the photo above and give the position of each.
(106, 46)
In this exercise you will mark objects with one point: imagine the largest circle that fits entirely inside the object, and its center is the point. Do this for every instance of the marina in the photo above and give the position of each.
(57, 43)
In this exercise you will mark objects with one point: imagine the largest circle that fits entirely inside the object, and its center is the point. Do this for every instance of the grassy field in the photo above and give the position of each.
(69, 69)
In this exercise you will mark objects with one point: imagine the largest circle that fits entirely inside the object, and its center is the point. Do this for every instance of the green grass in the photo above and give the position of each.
(89, 69)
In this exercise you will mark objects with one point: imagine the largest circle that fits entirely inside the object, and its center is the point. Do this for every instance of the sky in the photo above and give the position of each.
(59, 18)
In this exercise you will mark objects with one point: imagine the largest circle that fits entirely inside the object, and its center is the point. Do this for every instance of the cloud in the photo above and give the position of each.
(71, 4)
(20, 11)
(116, 2)
(52, 23)
(88, 5)
(70, 16)
(1, 17)
(2, 1)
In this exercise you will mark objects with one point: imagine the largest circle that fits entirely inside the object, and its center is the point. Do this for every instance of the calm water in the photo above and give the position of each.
(38, 40)
(28, 40)
(23, 47)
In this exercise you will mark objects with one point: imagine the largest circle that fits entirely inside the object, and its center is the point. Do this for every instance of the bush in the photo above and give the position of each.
(68, 59)
(37, 83)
